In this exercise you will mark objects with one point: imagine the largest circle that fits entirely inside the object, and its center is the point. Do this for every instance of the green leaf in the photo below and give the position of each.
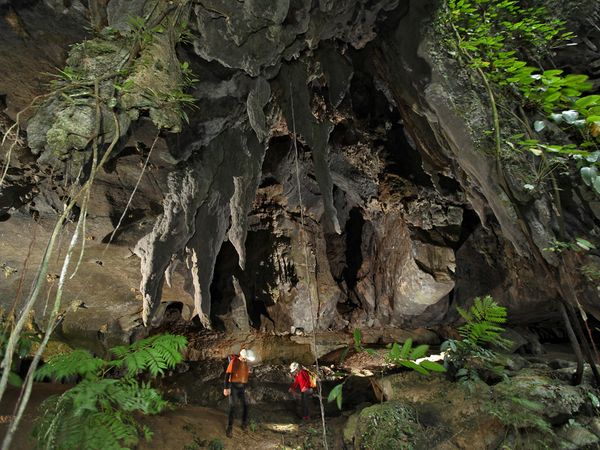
(337, 389)
(586, 245)
(395, 351)
(14, 379)
(413, 366)
(357, 339)
(406, 348)
(596, 185)
(552, 73)
(419, 351)
(433, 366)
(588, 174)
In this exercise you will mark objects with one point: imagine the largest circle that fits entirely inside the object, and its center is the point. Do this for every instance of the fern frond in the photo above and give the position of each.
(483, 322)
(156, 354)
(77, 362)
(97, 414)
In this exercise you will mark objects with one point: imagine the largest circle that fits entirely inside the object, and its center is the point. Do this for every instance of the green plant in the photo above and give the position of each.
(98, 413)
(216, 444)
(389, 425)
(519, 413)
(591, 272)
(578, 245)
(412, 357)
(594, 401)
(468, 356)
(23, 347)
(497, 38)
(253, 425)
(405, 355)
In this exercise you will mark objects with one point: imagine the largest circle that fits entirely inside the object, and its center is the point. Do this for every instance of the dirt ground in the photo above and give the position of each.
(190, 427)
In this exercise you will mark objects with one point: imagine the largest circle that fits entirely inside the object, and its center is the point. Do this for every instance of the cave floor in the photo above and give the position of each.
(190, 427)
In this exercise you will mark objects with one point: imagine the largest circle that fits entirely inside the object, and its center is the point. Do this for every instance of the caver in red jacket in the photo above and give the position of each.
(302, 381)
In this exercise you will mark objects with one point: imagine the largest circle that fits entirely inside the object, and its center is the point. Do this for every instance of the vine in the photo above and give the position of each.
(495, 39)
(107, 83)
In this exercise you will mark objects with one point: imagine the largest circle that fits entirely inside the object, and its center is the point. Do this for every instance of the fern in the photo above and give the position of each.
(98, 413)
(483, 323)
(154, 354)
(77, 362)
(483, 327)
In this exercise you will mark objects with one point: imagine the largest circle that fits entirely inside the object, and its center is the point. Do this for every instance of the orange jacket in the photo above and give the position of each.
(237, 372)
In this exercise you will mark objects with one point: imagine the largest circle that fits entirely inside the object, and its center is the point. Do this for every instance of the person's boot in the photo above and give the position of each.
(245, 426)
(229, 431)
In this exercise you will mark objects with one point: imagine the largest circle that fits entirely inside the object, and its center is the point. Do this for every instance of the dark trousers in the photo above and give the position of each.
(304, 399)
(238, 394)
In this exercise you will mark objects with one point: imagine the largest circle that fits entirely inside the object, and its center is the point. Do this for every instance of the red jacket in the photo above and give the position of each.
(302, 381)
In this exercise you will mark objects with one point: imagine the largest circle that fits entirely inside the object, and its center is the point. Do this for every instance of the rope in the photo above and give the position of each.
(305, 246)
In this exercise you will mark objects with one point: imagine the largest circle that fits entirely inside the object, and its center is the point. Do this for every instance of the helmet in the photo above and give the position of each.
(247, 354)
(294, 366)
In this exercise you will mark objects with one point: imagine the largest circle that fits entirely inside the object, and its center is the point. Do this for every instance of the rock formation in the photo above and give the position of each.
(332, 175)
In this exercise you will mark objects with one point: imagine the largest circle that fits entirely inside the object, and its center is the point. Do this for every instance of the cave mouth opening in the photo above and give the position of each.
(345, 258)
(255, 282)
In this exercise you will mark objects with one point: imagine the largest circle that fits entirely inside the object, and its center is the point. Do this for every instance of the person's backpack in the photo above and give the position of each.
(313, 378)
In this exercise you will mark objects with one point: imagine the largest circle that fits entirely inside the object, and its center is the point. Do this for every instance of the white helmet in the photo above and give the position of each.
(248, 354)
(294, 366)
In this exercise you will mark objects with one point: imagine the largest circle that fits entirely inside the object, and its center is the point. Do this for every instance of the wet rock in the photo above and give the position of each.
(577, 436)
(387, 425)
(561, 364)
(561, 400)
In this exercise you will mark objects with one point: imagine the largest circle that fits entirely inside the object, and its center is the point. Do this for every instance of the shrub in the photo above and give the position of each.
(98, 413)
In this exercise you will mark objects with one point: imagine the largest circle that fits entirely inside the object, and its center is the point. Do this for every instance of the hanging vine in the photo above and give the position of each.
(494, 39)
(107, 83)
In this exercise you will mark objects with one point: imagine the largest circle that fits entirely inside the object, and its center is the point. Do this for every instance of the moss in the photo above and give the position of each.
(57, 139)
(129, 83)
(52, 349)
(155, 78)
(72, 129)
(387, 426)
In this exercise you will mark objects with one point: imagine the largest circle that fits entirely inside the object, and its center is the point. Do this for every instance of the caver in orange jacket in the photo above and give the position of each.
(237, 372)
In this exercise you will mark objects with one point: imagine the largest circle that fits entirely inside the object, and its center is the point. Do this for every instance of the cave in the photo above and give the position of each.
(385, 203)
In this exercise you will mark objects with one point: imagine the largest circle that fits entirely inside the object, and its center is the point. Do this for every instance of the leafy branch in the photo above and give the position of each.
(98, 413)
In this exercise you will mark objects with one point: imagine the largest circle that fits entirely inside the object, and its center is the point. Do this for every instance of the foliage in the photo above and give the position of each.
(482, 319)
(389, 425)
(123, 73)
(519, 412)
(216, 444)
(24, 344)
(482, 328)
(98, 413)
(406, 356)
(591, 271)
(410, 357)
(498, 39)
(514, 408)
(578, 245)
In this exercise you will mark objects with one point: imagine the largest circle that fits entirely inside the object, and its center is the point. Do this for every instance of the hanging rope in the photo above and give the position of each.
(304, 244)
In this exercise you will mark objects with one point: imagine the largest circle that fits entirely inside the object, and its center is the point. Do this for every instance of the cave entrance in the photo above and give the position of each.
(255, 284)
(345, 257)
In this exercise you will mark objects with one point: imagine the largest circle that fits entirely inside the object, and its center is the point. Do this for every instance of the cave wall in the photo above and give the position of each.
(398, 217)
